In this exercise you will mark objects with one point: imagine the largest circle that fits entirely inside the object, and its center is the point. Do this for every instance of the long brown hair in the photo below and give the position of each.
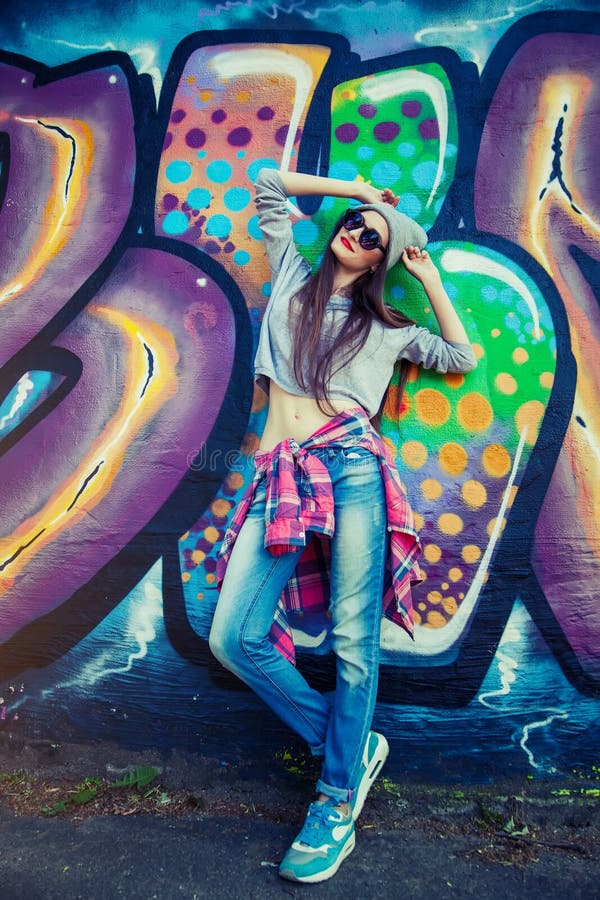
(314, 364)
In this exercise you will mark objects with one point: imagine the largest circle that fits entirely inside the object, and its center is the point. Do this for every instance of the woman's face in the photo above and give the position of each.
(346, 248)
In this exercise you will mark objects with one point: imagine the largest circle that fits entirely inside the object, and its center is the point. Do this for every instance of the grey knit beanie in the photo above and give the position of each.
(404, 231)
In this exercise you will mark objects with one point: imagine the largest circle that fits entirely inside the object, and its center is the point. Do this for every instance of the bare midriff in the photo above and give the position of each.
(295, 417)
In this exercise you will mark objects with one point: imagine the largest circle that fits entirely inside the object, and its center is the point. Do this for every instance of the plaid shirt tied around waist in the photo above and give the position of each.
(302, 519)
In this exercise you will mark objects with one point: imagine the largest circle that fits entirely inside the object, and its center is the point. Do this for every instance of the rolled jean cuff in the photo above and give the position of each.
(343, 795)
(317, 749)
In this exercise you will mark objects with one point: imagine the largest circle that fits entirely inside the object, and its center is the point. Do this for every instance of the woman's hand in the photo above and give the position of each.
(419, 264)
(369, 194)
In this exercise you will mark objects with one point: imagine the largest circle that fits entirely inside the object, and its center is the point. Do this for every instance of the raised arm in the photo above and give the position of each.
(421, 266)
(297, 184)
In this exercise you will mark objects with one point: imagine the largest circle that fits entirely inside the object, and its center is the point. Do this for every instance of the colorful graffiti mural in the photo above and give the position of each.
(132, 292)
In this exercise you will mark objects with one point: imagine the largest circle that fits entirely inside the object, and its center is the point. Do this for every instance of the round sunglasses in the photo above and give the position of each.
(369, 239)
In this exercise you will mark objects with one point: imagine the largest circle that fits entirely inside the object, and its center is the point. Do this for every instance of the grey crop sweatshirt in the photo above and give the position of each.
(364, 377)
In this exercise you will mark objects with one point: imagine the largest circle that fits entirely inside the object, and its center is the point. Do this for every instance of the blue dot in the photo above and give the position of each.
(254, 229)
(405, 149)
(266, 289)
(424, 174)
(512, 322)
(305, 232)
(365, 152)
(178, 171)
(344, 170)
(489, 292)
(327, 203)
(450, 289)
(219, 171)
(201, 154)
(258, 164)
(175, 222)
(397, 292)
(199, 198)
(385, 172)
(410, 205)
(450, 151)
(218, 226)
(241, 257)
(241, 154)
(236, 198)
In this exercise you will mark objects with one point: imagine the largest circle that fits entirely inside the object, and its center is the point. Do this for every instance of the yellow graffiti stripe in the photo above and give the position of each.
(147, 387)
(547, 203)
(72, 144)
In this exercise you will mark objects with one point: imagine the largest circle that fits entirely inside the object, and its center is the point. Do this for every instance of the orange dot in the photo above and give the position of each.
(470, 553)
(496, 460)
(453, 458)
(413, 373)
(235, 480)
(432, 553)
(396, 406)
(198, 556)
(242, 96)
(205, 95)
(200, 596)
(444, 585)
(190, 79)
(450, 605)
(495, 332)
(511, 495)
(259, 399)
(474, 494)
(422, 606)
(392, 449)
(250, 443)
(478, 351)
(211, 534)
(211, 578)
(450, 523)
(474, 412)
(220, 507)
(547, 379)
(528, 418)
(455, 574)
(185, 536)
(417, 617)
(520, 356)
(454, 379)
(414, 454)
(434, 597)
(505, 383)
(435, 619)
(185, 577)
(492, 524)
(432, 407)
(431, 489)
(419, 521)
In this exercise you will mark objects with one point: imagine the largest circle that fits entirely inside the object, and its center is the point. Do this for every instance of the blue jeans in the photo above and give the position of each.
(336, 727)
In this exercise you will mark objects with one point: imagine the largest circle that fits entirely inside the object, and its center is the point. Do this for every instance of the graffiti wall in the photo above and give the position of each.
(132, 287)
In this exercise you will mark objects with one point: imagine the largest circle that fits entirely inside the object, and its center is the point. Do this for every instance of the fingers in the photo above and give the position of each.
(416, 253)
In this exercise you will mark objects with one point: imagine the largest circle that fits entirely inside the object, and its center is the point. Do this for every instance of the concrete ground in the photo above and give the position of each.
(197, 828)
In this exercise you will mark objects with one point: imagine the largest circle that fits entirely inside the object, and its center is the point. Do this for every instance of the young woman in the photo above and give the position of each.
(327, 350)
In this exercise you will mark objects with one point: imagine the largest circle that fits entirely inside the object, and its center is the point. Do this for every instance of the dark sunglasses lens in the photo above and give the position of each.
(369, 239)
(353, 220)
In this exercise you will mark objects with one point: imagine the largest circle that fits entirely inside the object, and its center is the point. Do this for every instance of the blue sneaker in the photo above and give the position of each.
(326, 839)
(374, 755)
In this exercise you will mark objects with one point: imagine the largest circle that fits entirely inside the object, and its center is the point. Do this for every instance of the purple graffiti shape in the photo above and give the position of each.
(156, 344)
(536, 184)
(71, 170)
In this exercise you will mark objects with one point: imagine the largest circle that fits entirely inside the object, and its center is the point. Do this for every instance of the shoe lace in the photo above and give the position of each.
(319, 821)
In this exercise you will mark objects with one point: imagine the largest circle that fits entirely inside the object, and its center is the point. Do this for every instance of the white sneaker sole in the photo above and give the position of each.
(373, 770)
(326, 873)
